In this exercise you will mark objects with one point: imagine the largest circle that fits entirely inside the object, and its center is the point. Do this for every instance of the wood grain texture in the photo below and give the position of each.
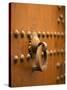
(34, 17)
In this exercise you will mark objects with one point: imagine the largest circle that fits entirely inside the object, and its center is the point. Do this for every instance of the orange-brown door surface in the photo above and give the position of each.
(36, 44)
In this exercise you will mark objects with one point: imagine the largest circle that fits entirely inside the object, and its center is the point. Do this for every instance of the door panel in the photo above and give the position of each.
(36, 18)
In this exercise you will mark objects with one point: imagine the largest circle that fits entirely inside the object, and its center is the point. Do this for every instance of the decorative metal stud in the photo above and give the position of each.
(29, 47)
(54, 52)
(43, 34)
(62, 51)
(62, 76)
(22, 58)
(15, 59)
(62, 34)
(61, 16)
(47, 34)
(29, 35)
(16, 33)
(58, 20)
(22, 33)
(51, 34)
(58, 65)
(51, 52)
(28, 57)
(29, 43)
(39, 34)
(58, 51)
(58, 34)
(55, 34)
(58, 79)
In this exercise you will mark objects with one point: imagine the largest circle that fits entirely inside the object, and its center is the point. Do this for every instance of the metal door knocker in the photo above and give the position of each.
(38, 52)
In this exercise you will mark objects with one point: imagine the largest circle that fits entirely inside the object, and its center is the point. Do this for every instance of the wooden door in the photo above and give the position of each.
(39, 18)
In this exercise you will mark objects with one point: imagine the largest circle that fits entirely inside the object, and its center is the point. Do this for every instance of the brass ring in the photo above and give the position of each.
(42, 61)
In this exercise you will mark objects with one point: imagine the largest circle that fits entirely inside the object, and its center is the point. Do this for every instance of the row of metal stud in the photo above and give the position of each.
(51, 52)
(40, 34)
(56, 52)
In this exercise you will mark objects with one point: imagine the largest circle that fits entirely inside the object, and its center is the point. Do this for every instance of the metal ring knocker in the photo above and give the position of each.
(39, 53)
(41, 56)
